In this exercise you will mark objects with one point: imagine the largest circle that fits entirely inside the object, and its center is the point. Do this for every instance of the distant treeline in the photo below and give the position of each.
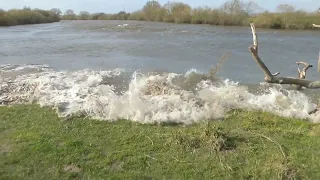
(27, 16)
(231, 13)
(84, 15)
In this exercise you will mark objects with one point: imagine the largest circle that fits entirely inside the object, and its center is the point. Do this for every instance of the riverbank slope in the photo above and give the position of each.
(35, 143)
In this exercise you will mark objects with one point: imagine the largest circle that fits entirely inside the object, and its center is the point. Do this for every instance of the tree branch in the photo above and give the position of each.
(268, 77)
(302, 73)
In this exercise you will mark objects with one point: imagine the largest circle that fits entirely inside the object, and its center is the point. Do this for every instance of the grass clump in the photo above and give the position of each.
(36, 144)
(211, 139)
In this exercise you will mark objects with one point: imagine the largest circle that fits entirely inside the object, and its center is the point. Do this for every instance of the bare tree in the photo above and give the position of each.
(84, 15)
(285, 8)
(151, 6)
(70, 15)
(252, 7)
(56, 11)
(151, 10)
(273, 78)
(69, 12)
(234, 7)
(181, 12)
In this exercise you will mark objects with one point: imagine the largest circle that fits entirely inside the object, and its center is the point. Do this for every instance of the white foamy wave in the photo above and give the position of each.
(123, 25)
(193, 71)
(10, 67)
(279, 101)
(147, 98)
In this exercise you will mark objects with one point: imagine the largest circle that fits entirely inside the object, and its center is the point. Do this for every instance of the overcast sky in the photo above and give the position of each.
(113, 6)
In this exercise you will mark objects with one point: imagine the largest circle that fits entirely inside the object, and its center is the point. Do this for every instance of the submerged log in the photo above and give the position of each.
(316, 26)
(273, 78)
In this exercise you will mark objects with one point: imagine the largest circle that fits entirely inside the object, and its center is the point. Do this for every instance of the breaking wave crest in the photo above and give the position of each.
(144, 97)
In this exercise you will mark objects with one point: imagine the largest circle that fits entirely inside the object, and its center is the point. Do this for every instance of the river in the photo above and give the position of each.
(152, 46)
(71, 47)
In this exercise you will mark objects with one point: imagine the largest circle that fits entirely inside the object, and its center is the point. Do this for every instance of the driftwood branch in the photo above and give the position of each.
(273, 78)
(302, 73)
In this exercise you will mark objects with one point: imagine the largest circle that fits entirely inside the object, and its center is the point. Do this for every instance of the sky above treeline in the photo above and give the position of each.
(114, 6)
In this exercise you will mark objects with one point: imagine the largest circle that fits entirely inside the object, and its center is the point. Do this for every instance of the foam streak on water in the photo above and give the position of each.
(146, 98)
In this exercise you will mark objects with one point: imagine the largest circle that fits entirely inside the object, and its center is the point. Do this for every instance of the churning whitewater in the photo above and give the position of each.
(144, 97)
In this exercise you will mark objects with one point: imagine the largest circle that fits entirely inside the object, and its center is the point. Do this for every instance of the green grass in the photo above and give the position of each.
(36, 144)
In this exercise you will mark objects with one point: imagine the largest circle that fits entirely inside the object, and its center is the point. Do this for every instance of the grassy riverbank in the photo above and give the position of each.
(27, 16)
(36, 144)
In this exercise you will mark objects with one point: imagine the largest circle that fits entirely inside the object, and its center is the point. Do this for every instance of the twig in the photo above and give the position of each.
(115, 152)
(214, 70)
(302, 73)
(151, 157)
(276, 74)
(275, 142)
(224, 57)
(178, 160)
(150, 140)
(194, 170)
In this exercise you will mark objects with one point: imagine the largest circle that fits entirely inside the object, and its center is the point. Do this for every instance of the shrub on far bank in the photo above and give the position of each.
(294, 20)
(84, 15)
(27, 16)
(231, 13)
(137, 15)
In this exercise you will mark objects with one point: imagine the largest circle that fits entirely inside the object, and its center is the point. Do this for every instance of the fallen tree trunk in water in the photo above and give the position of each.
(273, 78)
